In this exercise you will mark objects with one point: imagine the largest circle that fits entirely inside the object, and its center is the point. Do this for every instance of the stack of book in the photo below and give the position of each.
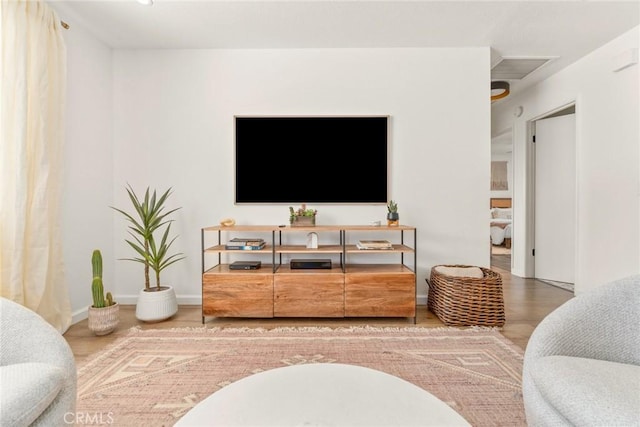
(245, 244)
(374, 244)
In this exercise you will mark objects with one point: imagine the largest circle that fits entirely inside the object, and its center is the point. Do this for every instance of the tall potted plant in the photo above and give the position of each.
(157, 302)
(104, 313)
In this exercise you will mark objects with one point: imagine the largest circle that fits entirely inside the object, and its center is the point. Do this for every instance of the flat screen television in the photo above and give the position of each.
(284, 159)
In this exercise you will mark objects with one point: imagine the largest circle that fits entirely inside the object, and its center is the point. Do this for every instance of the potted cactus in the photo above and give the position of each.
(104, 313)
(393, 218)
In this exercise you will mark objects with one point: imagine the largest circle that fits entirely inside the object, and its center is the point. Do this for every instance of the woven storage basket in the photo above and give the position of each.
(466, 301)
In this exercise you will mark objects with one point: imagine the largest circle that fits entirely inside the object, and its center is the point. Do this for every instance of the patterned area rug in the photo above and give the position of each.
(153, 377)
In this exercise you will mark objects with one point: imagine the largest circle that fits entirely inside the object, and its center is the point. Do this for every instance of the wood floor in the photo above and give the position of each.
(500, 261)
(501, 257)
(527, 302)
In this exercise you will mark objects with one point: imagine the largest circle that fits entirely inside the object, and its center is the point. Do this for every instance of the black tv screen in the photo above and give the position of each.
(311, 159)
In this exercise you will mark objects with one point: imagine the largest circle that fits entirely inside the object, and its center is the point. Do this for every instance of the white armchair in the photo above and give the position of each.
(582, 362)
(38, 375)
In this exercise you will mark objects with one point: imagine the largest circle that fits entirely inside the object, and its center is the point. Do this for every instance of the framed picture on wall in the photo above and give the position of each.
(499, 180)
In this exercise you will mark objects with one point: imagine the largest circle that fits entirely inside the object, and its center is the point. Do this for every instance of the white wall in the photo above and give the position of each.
(173, 126)
(608, 166)
(88, 165)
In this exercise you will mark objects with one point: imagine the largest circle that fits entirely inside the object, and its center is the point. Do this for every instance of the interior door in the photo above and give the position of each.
(555, 194)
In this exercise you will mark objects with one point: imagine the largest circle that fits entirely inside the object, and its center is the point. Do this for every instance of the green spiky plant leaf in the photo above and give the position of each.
(149, 217)
(158, 257)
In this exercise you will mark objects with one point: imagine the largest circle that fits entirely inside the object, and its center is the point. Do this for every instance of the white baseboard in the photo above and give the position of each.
(517, 272)
(79, 315)
(421, 300)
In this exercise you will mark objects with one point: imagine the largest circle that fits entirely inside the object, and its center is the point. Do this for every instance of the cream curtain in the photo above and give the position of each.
(33, 75)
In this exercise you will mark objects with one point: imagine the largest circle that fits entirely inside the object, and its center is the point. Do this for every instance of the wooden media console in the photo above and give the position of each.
(361, 282)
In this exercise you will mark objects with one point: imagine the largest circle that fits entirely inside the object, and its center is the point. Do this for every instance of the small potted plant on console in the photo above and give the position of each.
(302, 217)
(393, 218)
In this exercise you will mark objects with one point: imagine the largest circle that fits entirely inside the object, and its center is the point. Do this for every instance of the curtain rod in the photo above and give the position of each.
(64, 25)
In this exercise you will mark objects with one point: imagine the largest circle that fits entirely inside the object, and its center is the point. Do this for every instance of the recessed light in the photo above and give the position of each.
(145, 2)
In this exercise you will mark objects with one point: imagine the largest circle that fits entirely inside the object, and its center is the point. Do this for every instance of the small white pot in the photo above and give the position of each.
(155, 306)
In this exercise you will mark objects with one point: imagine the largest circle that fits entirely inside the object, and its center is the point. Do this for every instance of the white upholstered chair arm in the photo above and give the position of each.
(601, 324)
(28, 338)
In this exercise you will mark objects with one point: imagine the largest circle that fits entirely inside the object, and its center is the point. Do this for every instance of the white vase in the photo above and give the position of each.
(155, 306)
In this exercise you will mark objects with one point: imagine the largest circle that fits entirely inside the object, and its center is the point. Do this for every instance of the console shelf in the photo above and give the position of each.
(383, 287)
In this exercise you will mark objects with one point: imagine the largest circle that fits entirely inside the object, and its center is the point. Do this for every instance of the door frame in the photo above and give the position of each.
(511, 178)
(529, 264)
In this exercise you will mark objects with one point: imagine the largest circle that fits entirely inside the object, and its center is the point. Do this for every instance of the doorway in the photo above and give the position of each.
(501, 190)
(554, 206)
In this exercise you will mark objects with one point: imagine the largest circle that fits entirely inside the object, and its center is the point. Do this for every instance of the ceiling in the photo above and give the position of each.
(562, 30)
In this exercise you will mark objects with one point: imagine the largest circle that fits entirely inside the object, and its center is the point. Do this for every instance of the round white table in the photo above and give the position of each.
(323, 394)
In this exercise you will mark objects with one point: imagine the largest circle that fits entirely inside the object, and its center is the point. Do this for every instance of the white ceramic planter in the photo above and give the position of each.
(103, 321)
(154, 306)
